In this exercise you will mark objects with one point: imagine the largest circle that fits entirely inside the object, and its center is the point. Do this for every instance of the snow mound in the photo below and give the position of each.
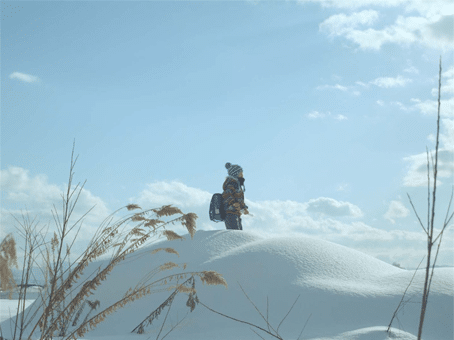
(373, 333)
(342, 293)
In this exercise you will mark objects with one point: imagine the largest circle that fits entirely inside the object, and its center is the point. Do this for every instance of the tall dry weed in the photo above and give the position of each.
(116, 239)
(8, 259)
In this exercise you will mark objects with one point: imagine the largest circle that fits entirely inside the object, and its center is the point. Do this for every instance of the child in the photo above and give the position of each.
(233, 197)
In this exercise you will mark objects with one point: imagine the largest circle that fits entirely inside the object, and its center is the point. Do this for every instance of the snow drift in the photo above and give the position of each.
(347, 294)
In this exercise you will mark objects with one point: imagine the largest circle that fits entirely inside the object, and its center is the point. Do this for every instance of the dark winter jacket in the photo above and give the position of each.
(233, 196)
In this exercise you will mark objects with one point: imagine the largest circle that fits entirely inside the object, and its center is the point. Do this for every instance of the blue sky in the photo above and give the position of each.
(328, 106)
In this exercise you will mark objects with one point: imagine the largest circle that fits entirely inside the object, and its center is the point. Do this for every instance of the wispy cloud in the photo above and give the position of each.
(350, 89)
(401, 106)
(320, 115)
(432, 28)
(430, 107)
(28, 78)
(447, 86)
(331, 207)
(416, 175)
(315, 115)
(388, 82)
(176, 193)
(343, 187)
(411, 69)
(380, 102)
(340, 24)
(396, 210)
(335, 87)
(340, 117)
(360, 83)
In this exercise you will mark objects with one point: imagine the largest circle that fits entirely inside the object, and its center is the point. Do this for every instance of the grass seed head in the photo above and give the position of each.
(167, 210)
(212, 278)
(132, 207)
(171, 235)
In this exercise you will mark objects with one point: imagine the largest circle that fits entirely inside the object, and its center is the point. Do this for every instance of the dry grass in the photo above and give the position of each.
(8, 259)
(61, 316)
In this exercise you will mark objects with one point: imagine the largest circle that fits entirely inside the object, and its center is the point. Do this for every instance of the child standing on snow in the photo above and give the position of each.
(233, 197)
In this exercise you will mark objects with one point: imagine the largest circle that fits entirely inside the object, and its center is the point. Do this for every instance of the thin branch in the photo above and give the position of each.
(416, 213)
(163, 323)
(435, 260)
(247, 323)
(401, 300)
(449, 205)
(257, 309)
(287, 314)
(174, 326)
(267, 314)
(428, 191)
(447, 220)
(304, 327)
(258, 334)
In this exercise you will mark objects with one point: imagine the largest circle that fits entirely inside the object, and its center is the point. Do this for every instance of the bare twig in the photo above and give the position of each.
(257, 334)
(269, 325)
(163, 323)
(416, 213)
(245, 322)
(287, 314)
(174, 326)
(267, 314)
(401, 300)
(304, 326)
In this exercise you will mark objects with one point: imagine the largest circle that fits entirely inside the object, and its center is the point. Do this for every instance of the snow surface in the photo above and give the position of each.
(348, 295)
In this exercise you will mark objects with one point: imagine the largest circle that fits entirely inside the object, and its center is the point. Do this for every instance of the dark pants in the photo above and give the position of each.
(233, 222)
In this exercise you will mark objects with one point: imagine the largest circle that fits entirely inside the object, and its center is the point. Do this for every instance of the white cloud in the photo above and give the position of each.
(396, 210)
(430, 107)
(432, 28)
(447, 137)
(339, 87)
(23, 77)
(411, 69)
(315, 115)
(355, 4)
(335, 87)
(343, 187)
(340, 24)
(33, 196)
(320, 115)
(447, 81)
(380, 102)
(417, 173)
(362, 84)
(331, 207)
(401, 106)
(37, 197)
(424, 7)
(340, 117)
(388, 82)
(175, 193)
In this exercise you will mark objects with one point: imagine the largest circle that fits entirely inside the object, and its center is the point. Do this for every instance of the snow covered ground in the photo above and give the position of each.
(346, 294)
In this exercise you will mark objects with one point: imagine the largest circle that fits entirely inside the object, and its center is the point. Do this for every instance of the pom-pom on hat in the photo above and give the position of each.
(234, 169)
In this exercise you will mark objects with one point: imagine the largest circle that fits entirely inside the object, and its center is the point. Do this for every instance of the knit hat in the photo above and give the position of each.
(233, 170)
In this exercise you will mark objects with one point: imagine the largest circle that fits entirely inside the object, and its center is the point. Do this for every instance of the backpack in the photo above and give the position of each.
(217, 213)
